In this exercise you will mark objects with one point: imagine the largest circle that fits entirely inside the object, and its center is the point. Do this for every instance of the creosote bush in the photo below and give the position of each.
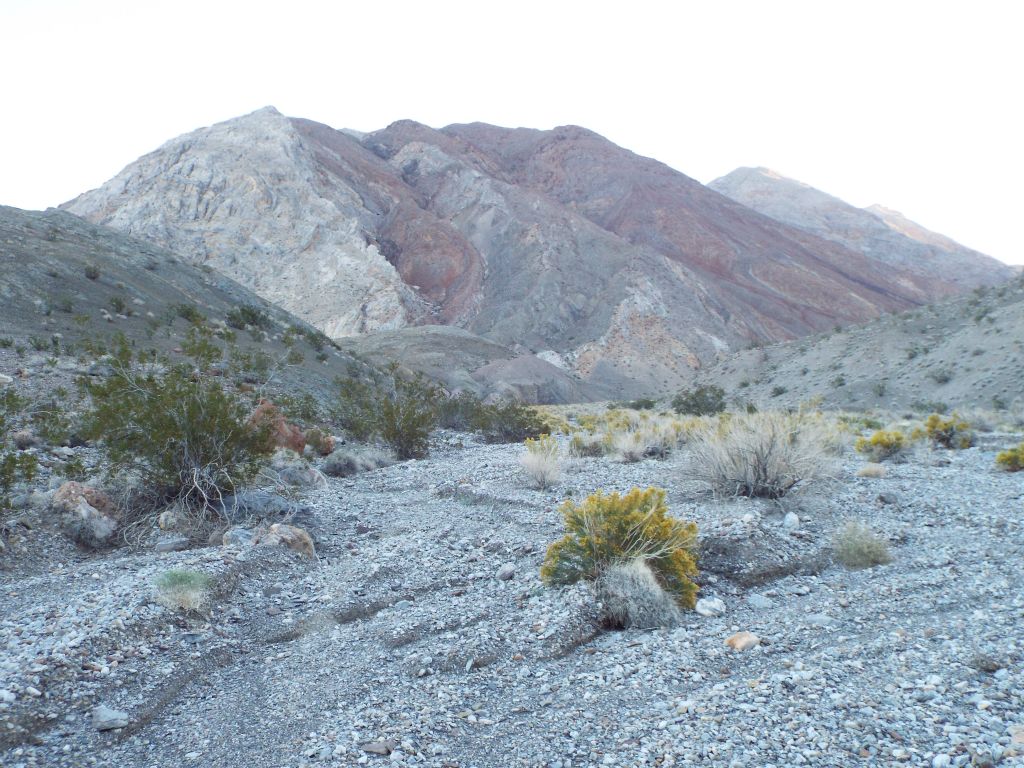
(607, 531)
(507, 421)
(15, 466)
(764, 455)
(883, 444)
(189, 440)
(706, 400)
(857, 546)
(1012, 459)
(401, 412)
(541, 461)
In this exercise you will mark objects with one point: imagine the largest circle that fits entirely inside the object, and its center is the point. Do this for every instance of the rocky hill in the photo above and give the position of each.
(613, 267)
(877, 232)
(963, 352)
(66, 279)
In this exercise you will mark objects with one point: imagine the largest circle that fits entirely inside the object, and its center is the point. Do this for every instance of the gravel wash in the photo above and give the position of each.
(422, 635)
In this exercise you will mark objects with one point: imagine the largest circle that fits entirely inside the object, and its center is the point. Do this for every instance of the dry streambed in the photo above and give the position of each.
(423, 636)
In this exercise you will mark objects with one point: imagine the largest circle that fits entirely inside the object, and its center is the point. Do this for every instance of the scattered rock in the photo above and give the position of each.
(172, 544)
(106, 719)
(759, 601)
(66, 498)
(263, 505)
(888, 498)
(23, 440)
(5, 380)
(236, 536)
(379, 747)
(710, 606)
(743, 641)
(290, 536)
(506, 572)
(791, 521)
(87, 525)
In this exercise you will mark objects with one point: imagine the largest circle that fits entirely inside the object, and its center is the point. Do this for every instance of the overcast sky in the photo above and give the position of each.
(915, 105)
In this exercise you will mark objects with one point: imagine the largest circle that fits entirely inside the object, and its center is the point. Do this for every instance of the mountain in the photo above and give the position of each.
(624, 273)
(877, 232)
(962, 352)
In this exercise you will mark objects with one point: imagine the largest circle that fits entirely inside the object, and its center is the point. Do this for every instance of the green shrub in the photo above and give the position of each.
(401, 412)
(92, 271)
(189, 440)
(248, 315)
(705, 400)
(778, 391)
(883, 444)
(189, 312)
(15, 466)
(604, 531)
(953, 433)
(856, 546)
(1012, 459)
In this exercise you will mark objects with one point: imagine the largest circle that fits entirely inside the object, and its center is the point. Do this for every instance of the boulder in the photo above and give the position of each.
(291, 536)
(88, 526)
(66, 498)
(106, 719)
(239, 537)
(743, 641)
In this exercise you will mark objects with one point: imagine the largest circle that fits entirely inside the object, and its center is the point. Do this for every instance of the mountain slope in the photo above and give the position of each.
(876, 232)
(611, 266)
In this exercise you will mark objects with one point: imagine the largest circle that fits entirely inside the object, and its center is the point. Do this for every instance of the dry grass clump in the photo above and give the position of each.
(631, 596)
(541, 461)
(857, 546)
(344, 462)
(763, 455)
(187, 591)
(871, 470)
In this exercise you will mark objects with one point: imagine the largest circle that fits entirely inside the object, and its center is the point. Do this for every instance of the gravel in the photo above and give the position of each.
(422, 635)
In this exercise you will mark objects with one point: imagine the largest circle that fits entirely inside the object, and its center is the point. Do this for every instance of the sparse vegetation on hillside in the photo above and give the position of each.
(15, 465)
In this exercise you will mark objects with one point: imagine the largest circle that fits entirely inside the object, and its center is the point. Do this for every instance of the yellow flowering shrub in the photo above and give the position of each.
(605, 530)
(1012, 459)
(883, 444)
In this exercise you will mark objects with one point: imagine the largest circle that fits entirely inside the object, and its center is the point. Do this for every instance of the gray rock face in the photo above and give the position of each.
(248, 198)
(877, 232)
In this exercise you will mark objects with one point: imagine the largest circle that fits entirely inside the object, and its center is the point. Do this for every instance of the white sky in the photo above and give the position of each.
(915, 105)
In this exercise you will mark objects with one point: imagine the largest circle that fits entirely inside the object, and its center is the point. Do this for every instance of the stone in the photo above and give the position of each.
(66, 498)
(5, 380)
(506, 572)
(888, 498)
(106, 719)
(710, 606)
(291, 536)
(256, 504)
(759, 601)
(385, 747)
(743, 641)
(172, 544)
(1016, 734)
(941, 761)
(87, 525)
(301, 477)
(236, 536)
(6, 696)
(791, 521)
